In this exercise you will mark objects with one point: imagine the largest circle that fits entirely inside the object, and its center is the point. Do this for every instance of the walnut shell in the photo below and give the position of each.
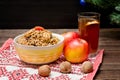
(44, 70)
(87, 67)
(65, 67)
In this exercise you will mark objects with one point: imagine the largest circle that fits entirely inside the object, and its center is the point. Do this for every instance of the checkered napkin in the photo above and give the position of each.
(12, 68)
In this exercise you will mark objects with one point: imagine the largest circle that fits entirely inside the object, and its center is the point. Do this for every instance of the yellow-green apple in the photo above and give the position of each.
(68, 36)
(76, 51)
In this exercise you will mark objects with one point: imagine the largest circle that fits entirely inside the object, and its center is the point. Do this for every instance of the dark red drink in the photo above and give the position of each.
(88, 25)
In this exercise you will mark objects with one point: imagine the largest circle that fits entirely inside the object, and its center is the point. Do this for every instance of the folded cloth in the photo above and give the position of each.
(12, 68)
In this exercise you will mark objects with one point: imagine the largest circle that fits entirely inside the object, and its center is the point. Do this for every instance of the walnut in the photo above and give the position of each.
(44, 70)
(87, 67)
(65, 67)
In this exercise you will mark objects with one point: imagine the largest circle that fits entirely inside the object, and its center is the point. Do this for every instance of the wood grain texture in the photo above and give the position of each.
(109, 40)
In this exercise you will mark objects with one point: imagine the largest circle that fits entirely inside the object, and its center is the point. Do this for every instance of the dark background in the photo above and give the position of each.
(47, 13)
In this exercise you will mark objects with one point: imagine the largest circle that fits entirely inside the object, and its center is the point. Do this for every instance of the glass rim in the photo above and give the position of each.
(88, 14)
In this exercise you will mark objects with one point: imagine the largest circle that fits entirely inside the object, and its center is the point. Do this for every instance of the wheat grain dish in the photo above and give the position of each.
(38, 36)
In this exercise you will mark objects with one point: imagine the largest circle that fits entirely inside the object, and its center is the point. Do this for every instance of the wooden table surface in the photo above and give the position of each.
(109, 40)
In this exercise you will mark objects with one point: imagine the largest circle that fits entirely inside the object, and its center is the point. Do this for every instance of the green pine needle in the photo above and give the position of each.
(117, 8)
(115, 18)
(104, 3)
(108, 4)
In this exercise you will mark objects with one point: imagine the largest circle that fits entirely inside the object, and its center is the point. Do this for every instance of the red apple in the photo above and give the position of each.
(68, 36)
(76, 51)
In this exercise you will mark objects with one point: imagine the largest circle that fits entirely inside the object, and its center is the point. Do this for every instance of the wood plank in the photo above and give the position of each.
(108, 75)
(111, 61)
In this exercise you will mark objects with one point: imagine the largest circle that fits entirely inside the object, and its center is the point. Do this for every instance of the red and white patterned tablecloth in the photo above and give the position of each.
(12, 68)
